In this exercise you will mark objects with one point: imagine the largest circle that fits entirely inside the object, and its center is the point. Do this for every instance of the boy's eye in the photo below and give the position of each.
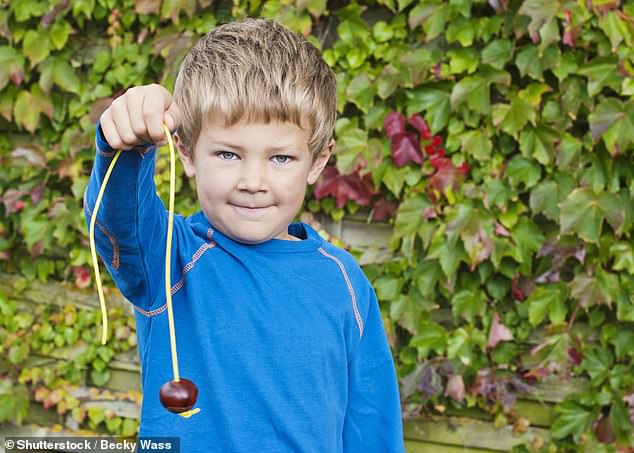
(226, 155)
(281, 159)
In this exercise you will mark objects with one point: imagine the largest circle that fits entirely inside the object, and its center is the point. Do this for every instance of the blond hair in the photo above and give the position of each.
(257, 70)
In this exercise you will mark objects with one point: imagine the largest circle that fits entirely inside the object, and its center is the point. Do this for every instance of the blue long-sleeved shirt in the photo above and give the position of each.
(283, 339)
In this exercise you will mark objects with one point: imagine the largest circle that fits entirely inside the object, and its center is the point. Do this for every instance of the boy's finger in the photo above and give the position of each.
(153, 115)
(137, 117)
(121, 119)
(110, 131)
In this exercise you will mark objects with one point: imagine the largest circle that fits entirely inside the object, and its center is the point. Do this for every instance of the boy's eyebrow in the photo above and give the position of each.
(289, 147)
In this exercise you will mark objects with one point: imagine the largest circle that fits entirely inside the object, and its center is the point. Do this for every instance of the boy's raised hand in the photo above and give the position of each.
(137, 117)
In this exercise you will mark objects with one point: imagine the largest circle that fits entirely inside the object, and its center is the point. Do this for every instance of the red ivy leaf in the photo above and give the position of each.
(405, 148)
(394, 124)
(82, 276)
(499, 332)
(421, 126)
(384, 209)
(345, 187)
(446, 176)
(603, 430)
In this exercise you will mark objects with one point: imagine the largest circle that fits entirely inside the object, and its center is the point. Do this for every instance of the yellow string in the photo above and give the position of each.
(168, 253)
(93, 251)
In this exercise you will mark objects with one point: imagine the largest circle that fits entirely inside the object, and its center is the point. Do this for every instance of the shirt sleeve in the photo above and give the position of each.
(373, 420)
(131, 225)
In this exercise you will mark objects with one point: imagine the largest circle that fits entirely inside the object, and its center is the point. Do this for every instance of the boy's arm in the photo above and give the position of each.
(131, 223)
(373, 420)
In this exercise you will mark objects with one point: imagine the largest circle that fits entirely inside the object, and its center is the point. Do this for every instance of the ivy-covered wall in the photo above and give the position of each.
(496, 138)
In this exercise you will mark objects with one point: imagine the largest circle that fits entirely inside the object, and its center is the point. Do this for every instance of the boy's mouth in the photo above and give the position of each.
(249, 210)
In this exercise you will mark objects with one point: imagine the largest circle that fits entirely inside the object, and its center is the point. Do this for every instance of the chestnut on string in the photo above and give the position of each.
(178, 396)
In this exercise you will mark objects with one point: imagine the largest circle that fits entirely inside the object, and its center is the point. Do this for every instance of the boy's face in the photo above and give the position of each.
(251, 177)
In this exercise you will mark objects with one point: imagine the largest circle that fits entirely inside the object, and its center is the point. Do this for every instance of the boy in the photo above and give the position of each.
(280, 330)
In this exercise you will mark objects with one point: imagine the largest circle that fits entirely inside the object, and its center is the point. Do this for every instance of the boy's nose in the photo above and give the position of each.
(252, 179)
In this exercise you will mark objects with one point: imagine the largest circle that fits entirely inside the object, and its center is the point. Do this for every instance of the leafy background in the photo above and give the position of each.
(496, 138)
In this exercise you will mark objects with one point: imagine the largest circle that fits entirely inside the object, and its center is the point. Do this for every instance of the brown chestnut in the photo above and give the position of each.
(178, 396)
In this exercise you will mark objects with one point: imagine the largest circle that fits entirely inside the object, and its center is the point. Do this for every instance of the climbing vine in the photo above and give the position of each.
(496, 138)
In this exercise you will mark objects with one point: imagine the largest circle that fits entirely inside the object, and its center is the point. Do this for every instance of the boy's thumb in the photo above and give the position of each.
(172, 117)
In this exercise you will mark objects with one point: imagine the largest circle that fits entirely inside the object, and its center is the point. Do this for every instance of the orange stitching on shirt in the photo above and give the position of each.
(155, 312)
(195, 257)
(355, 309)
(113, 242)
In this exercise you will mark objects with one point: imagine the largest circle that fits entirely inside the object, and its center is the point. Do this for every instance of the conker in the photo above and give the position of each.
(178, 396)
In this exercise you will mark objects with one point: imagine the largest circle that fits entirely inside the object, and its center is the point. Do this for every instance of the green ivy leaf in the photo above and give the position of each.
(14, 402)
(539, 143)
(387, 82)
(35, 47)
(428, 273)
(96, 414)
(388, 287)
(461, 60)
(597, 289)
(59, 33)
(623, 341)
(433, 12)
(462, 30)
(171, 9)
(113, 424)
(25, 9)
(361, 91)
(567, 65)
(382, 32)
(11, 66)
(414, 63)
(568, 152)
(448, 252)
(620, 417)
(597, 362)
(462, 342)
(18, 353)
(547, 300)
(351, 143)
(435, 103)
(468, 304)
(571, 419)
(409, 216)
(623, 255)
(601, 72)
(528, 61)
(528, 237)
(29, 106)
(100, 378)
(584, 211)
(475, 91)
(512, 118)
(522, 171)
(129, 427)
(540, 12)
(477, 144)
(614, 121)
(546, 196)
(497, 53)
(406, 311)
(616, 29)
(431, 337)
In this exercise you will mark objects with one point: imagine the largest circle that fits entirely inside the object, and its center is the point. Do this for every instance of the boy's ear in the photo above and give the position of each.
(320, 162)
(185, 157)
